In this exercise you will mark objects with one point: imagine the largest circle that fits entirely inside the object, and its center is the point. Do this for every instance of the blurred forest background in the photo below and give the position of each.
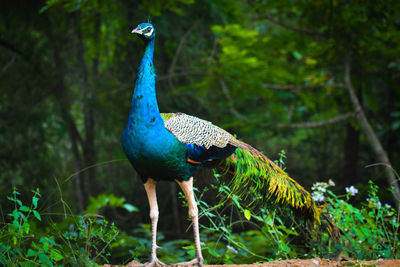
(318, 79)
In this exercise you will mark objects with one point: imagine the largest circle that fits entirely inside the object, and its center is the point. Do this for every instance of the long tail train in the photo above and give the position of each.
(253, 174)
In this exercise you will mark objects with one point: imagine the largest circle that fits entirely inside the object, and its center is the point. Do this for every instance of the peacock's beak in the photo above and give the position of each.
(137, 30)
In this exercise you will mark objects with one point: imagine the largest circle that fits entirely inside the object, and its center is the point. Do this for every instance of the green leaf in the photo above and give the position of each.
(247, 214)
(359, 217)
(285, 248)
(43, 258)
(288, 231)
(395, 125)
(35, 201)
(223, 228)
(16, 224)
(26, 227)
(297, 55)
(269, 221)
(130, 207)
(37, 215)
(15, 214)
(31, 253)
(209, 214)
(213, 253)
(395, 114)
(310, 61)
(56, 255)
(24, 208)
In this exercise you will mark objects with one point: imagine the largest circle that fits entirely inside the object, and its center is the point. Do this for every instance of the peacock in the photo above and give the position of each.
(173, 146)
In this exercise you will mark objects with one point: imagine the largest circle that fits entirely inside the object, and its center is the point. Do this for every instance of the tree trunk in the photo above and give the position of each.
(390, 136)
(369, 132)
(89, 148)
(61, 96)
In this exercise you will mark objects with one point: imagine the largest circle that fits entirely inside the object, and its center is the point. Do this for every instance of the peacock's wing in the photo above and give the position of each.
(204, 140)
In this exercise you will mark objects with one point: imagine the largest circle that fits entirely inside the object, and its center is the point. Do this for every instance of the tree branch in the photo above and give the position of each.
(232, 108)
(26, 57)
(315, 124)
(184, 73)
(12, 48)
(297, 88)
(368, 131)
(294, 28)
(212, 54)
(8, 64)
(177, 54)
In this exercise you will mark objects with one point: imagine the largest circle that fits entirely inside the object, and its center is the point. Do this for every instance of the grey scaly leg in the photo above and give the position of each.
(150, 187)
(187, 188)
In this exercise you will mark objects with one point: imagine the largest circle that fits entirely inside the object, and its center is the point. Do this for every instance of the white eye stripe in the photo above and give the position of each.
(148, 33)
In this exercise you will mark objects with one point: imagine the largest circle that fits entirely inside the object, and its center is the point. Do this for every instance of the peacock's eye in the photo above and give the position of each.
(148, 29)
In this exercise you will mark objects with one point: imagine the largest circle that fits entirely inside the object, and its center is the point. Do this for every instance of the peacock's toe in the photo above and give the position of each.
(197, 261)
(154, 263)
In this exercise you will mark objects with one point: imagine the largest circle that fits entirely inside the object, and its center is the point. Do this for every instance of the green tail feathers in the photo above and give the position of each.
(254, 177)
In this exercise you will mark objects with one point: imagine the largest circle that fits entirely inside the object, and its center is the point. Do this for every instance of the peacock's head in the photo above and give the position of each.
(145, 31)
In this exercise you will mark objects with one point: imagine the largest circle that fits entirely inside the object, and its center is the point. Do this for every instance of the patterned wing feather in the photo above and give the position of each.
(192, 130)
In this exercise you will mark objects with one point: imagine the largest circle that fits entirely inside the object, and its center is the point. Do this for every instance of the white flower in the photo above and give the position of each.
(375, 204)
(388, 206)
(331, 183)
(319, 185)
(352, 191)
(232, 249)
(321, 189)
(318, 196)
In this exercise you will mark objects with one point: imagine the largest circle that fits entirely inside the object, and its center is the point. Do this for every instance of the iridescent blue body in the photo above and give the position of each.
(174, 146)
(153, 151)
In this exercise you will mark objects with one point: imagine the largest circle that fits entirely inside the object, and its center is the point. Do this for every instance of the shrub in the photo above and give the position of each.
(77, 240)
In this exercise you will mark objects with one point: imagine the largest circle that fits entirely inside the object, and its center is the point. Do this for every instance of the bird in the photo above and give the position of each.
(174, 146)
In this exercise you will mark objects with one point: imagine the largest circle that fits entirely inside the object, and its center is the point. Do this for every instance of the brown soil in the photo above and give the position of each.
(300, 263)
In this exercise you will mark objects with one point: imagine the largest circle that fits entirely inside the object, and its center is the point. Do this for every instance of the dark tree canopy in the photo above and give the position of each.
(318, 79)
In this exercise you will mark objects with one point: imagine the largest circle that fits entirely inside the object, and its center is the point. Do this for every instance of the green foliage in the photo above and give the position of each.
(155, 7)
(67, 75)
(269, 237)
(370, 231)
(230, 234)
(103, 200)
(77, 240)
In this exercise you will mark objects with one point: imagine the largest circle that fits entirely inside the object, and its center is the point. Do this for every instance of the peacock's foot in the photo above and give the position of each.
(152, 263)
(198, 261)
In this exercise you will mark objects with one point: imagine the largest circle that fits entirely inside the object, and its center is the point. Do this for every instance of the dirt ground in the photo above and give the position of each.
(301, 262)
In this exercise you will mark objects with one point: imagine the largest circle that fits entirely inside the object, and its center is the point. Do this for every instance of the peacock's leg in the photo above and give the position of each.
(150, 187)
(187, 188)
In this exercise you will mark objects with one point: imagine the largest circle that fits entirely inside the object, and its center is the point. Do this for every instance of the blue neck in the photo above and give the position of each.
(144, 108)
